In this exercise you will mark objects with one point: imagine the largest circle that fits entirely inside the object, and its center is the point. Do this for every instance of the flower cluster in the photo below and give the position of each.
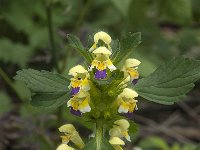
(119, 130)
(79, 103)
(86, 94)
(102, 65)
(70, 134)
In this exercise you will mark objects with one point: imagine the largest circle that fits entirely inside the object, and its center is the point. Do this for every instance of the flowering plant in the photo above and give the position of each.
(105, 88)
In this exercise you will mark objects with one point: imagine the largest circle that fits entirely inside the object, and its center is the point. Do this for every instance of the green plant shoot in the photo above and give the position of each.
(105, 89)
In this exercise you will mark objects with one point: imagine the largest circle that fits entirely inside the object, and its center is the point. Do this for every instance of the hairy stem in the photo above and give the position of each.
(9, 82)
(99, 133)
(83, 13)
(51, 35)
(52, 46)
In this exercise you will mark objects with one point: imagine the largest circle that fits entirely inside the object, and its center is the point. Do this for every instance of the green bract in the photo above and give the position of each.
(99, 90)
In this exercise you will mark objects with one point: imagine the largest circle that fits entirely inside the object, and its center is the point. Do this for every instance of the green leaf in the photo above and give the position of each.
(22, 90)
(127, 44)
(92, 145)
(75, 43)
(152, 143)
(14, 52)
(47, 89)
(5, 102)
(170, 82)
(176, 11)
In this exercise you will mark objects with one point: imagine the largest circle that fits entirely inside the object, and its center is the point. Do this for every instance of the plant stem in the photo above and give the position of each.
(51, 35)
(49, 6)
(9, 82)
(99, 134)
(83, 12)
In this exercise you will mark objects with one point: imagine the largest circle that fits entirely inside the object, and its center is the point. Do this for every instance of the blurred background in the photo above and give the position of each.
(30, 29)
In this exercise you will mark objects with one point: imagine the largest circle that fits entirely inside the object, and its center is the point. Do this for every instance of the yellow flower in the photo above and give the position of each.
(77, 70)
(102, 65)
(130, 68)
(102, 51)
(71, 134)
(64, 147)
(80, 79)
(75, 82)
(130, 63)
(101, 36)
(120, 129)
(85, 85)
(101, 62)
(116, 143)
(127, 101)
(128, 94)
(80, 102)
(78, 84)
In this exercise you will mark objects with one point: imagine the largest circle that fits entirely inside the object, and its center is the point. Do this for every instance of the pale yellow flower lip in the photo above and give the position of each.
(128, 93)
(64, 147)
(102, 50)
(67, 128)
(116, 141)
(82, 94)
(70, 131)
(77, 69)
(132, 63)
(102, 36)
(122, 123)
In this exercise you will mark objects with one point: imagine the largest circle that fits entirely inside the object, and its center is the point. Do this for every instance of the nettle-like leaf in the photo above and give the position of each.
(15, 53)
(126, 45)
(47, 89)
(75, 43)
(170, 82)
(104, 145)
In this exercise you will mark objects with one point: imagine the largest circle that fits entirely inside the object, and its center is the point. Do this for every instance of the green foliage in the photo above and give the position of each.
(176, 11)
(92, 145)
(133, 129)
(137, 11)
(152, 143)
(188, 39)
(5, 103)
(14, 52)
(75, 43)
(196, 10)
(24, 34)
(22, 90)
(170, 82)
(122, 6)
(47, 89)
(127, 44)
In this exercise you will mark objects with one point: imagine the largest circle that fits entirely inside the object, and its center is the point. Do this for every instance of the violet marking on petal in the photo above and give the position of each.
(75, 112)
(75, 90)
(135, 81)
(100, 74)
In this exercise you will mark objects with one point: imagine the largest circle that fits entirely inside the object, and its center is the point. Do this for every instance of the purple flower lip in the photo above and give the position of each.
(74, 91)
(75, 112)
(100, 74)
(135, 81)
